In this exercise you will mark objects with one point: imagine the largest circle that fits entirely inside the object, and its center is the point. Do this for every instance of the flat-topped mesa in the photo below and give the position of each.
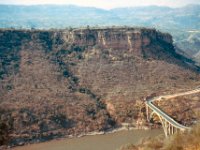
(139, 42)
(106, 38)
(117, 38)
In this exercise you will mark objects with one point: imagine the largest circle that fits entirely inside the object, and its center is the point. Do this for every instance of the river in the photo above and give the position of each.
(111, 141)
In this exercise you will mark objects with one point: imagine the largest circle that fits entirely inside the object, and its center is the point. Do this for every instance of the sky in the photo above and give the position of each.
(106, 4)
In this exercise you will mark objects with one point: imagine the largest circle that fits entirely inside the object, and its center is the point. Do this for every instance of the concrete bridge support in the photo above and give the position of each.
(168, 128)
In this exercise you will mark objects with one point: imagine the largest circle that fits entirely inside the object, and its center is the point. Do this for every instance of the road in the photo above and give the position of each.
(158, 111)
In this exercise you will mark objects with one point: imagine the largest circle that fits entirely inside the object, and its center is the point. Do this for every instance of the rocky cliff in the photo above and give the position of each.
(115, 38)
(56, 83)
(119, 38)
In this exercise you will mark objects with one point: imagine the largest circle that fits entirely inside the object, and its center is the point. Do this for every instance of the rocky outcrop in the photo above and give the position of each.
(119, 38)
(115, 38)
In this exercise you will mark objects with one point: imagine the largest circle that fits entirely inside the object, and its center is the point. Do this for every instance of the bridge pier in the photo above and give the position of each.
(168, 128)
(164, 125)
(147, 113)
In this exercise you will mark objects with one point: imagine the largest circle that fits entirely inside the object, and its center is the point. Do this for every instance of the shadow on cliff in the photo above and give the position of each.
(166, 52)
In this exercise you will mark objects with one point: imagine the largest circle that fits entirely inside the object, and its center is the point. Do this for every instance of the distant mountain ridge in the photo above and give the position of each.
(177, 21)
(62, 16)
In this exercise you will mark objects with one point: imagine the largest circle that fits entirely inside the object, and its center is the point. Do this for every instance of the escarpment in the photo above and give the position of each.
(120, 38)
(57, 83)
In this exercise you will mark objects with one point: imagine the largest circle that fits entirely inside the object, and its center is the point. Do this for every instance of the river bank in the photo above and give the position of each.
(107, 141)
(123, 127)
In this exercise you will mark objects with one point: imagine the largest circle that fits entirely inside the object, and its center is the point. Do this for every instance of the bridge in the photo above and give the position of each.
(170, 126)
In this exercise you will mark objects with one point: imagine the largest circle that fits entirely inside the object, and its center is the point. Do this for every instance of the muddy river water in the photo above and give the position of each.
(111, 141)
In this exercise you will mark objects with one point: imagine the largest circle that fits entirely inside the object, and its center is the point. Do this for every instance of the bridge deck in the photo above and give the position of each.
(165, 116)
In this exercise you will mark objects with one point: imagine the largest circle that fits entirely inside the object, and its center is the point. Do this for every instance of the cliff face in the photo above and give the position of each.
(120, 38)
(116, 38)
(66, 82)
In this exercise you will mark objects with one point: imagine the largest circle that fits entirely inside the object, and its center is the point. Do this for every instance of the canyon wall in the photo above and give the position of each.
(56, 83)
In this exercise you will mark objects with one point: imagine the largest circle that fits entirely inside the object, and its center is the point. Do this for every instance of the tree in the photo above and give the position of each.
(139, 105)
(3, 133)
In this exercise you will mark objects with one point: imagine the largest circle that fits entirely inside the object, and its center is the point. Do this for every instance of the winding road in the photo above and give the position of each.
(165, 116)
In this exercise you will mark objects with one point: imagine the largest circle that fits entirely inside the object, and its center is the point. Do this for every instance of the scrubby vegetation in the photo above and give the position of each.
(55, 83)
(188, 140)
(184, 109)
(4, 137)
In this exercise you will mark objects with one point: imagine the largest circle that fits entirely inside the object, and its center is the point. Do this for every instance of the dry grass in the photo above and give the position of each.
(184, 109)
(179, 141)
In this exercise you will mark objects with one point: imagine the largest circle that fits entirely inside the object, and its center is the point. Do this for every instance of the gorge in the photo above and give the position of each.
(58, 83)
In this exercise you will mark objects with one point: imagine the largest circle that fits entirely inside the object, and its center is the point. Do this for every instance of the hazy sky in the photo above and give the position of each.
(107, 4)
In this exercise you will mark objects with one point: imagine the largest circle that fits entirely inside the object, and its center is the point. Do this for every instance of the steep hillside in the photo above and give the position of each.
(66, 82)
(189, 43)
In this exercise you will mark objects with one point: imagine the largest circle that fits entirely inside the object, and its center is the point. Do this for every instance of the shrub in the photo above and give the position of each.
(3, 133)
